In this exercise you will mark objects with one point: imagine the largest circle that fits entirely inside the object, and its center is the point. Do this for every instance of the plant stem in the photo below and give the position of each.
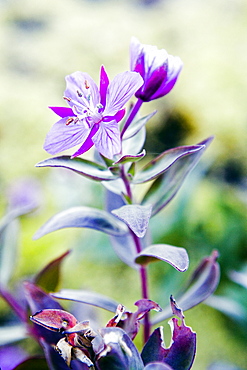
(143, 269)
(132, 115)
(144, 288)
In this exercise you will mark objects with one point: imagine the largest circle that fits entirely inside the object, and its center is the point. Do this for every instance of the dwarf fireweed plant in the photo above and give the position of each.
(107, 117)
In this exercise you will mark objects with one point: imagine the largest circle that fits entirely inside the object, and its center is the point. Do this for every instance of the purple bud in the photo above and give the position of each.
(158, 69)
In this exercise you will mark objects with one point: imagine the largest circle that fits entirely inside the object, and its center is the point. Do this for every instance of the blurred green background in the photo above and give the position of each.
(43, 41)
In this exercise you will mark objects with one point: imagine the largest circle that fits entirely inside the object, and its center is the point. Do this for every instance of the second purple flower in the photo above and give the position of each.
(93, 113)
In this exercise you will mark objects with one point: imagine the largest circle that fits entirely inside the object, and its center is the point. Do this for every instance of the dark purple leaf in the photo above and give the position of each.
(32, 363)
(14, 303)
(201, 285)
(48, 278)
(180, 355)
(81, 166)
(11, 356)
(83, 217)
(39, 300)
(135, 216)
(119, 352)
(88, 297)
(170, 170)
(175, 256)
(131, 323)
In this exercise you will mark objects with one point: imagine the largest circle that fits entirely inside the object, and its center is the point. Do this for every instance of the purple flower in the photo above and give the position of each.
(158, 69)
(94, 113)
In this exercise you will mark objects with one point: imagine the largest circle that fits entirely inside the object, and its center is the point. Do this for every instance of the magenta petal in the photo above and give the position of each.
(62, 136)
(104, 82)
(120, 90)
(63, 111)
(88, 143)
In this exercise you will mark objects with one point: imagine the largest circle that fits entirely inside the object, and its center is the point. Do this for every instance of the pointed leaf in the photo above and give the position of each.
(81, 166)
(131, 158)
(11, 356)
(135, 216)
(202, 284)
(170, 170)
(38, 299)
(175, 256)
(83, 217)
(92, 298)
(137, 125)
(48, 278)
(119, 351)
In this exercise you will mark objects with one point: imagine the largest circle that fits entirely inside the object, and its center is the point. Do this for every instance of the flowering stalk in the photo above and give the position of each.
(143, 269)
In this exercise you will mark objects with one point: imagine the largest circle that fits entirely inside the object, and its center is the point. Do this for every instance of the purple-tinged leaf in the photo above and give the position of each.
(135, 216)
(201, 285)
(137, 125)
(170, 170)
(157, 366)
(175, 256)
(81, 166)
(119, 351)
(31, 363)
(83, 217)
(11, 356)
(38, 299)
(130, 158)
(131, 324)
(88, 297)
(54, 319)
(180, 355)
(48, 278)
(16, 306)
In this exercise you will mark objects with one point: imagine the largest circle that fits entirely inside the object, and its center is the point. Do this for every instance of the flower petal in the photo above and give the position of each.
(88, 143)
(104, 83)
(120, 90)
(63, 111)
(62, 136)
(107, 139)
(82, 90)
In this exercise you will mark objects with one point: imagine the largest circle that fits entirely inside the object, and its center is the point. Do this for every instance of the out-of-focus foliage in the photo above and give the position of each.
(41, 42)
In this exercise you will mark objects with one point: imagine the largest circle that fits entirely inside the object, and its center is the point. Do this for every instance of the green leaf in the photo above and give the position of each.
(83, 217)
(33, 363)
(48, 278)
(81, 166)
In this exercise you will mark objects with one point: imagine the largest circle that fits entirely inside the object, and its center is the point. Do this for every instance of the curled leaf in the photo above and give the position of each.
(175, 256)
